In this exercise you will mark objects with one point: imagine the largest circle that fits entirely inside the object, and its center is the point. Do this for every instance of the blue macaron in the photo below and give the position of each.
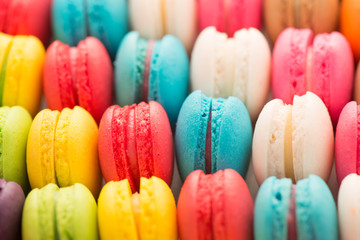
(152, 70)
(213, 134)
(306, 209)
(74, 20)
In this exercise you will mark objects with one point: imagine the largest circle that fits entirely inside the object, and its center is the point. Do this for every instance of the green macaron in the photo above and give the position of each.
(60, 213)
(15, 123)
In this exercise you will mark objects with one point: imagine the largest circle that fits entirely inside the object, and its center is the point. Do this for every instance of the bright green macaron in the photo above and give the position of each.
(60, 213)
(15, 123)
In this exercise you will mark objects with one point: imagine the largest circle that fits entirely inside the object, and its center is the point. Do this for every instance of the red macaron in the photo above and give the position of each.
(81, 75)
(136, 141)
(215, 206)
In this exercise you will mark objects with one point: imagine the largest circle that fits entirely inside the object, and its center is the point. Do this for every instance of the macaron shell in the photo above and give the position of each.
(14, 140)
(95, 93)
(349, 208)
(69, 21)
(23, 81)
(76, 213)
(312, 137)
(11, 205)
(333, 70)
(171, 72)
(231, 148)
(272, 209)
(40, 149)
(289, 64)
(349, 22)
(346, 142)
(158, 210)
(38, 214)
(102, 17)
(115, 211)
(5, 45)
(76, 157)
(162, 143)
(315, 210)
(126, 70)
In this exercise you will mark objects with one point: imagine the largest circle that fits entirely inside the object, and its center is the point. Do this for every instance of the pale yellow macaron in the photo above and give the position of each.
(62, 149)
(149, 214)
(21, 66)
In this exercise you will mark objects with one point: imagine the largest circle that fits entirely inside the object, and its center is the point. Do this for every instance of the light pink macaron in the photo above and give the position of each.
(347, 139)
(322, 64)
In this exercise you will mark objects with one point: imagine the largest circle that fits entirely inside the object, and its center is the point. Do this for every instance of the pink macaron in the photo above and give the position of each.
(229, 16)
(81, 75)
(347, 142)
(322, 64)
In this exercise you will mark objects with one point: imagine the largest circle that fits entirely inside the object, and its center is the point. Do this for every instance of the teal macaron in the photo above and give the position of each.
(306, 210)
(60, 213)
(213, 134)
(148, 70)
(74, 20)
(15, 124)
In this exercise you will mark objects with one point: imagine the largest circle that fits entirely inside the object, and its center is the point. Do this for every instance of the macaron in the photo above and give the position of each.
(229, 16)
(107, 20)
(319, 15)
(65, 213)
(293, 141)
(15, 124)
(152, 70)
(26, 17)
(21, 66)
(215, 206)
(147, 214)
(322, 64)
(155, 19)
(356, 92)
(347, 142)
(213, 134)
(81, 75)
(349, 207)
(11, 205)
(238, 66)
(62, 149)
(349, 22)
(284, 210)
(136, 141)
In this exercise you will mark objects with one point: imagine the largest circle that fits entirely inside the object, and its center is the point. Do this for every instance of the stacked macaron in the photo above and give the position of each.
(84, 168)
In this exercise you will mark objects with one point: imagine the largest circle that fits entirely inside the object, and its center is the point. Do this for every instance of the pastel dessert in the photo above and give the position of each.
(74, 20)
(212, 134)
(319, 15)
(26, 17)
(11, 205)
(347, 142)
(322, 64)
(239, 66)
(136, 141)
(148, 70)
(155, 19)
(229, 16)
(15, 124)
(62, 149)
(284, 210)
(357, 85)
(215, 206)
(147, 214)
(349, 22)
(72, 76)
(21, 66)
(293, 141)
(60, 213)
(349, 207)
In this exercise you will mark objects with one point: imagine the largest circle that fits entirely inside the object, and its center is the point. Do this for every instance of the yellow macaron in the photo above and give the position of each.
(62, 149)
(21, 66)
(149, 214)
